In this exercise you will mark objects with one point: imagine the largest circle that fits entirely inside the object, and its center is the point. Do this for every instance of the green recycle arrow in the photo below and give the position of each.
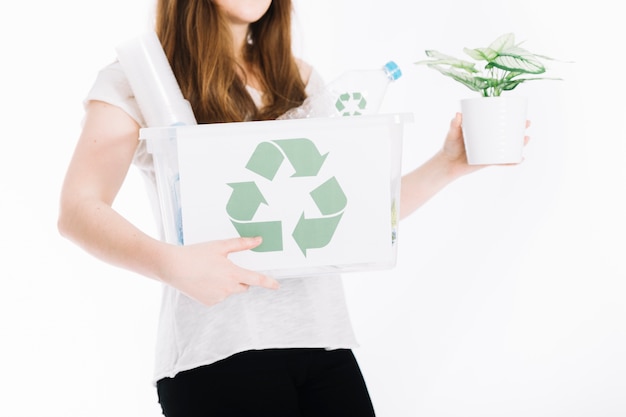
(329, 197)
(244, 201)
(246, 197)
(317, 232)
(301, 153)
(271, 232)
(265, 160)
(346, 99)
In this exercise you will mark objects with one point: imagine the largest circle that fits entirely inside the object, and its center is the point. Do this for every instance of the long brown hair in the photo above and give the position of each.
(198, 44)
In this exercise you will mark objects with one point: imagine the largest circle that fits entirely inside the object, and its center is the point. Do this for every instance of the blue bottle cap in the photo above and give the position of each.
(392, 70)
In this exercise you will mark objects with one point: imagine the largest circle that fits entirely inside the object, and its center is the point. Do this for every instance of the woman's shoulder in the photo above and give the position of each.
(305, 70)
(312, 79)
(111, 86)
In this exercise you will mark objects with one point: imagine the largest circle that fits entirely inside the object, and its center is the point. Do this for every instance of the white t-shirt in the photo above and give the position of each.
(305, 312)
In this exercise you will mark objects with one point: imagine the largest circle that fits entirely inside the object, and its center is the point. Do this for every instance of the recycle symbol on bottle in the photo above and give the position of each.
(246, 197)
(351, 104)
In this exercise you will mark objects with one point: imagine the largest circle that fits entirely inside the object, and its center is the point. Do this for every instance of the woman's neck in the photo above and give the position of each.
(240, 43)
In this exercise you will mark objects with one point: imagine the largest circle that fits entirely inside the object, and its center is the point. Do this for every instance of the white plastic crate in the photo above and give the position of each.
(323, 192)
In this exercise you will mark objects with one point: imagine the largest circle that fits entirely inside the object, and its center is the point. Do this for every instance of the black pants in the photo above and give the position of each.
(270, 383)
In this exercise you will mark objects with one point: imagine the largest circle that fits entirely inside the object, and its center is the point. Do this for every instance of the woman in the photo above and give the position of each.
(231, 342)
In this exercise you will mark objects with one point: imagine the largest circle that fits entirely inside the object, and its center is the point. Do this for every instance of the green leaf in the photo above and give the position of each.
(511, 84)
(503, 42)
(437, 55)
(507, 86)
(481, 54)
(442, 59)
(490, 82)
(470, 81)
(519, 61)
(505, 63)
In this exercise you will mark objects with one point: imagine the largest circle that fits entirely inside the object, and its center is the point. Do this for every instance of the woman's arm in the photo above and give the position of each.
(444, 167)
(96, 172)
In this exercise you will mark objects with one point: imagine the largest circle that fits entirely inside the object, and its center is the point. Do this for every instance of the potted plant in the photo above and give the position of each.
(493, 125)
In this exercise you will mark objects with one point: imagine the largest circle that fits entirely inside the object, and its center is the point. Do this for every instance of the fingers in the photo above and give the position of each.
(457, 120)
(245, 277)
(252, 278)
(239, 244)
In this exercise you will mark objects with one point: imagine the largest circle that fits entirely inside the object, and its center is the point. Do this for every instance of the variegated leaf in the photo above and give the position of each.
(503, 42)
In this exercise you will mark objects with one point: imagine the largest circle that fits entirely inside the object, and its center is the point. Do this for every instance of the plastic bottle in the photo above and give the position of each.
(354, 93)
(153, 82)
(162, 104)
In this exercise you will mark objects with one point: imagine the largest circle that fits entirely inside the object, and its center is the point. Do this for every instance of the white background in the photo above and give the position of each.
(508, 299)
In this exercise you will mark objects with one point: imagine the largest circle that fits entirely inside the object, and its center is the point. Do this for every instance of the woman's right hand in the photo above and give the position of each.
(203, 271)
(96, 172)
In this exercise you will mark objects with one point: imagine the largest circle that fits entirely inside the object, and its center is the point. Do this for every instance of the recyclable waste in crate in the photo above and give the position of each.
(354, 93)
(175, 141)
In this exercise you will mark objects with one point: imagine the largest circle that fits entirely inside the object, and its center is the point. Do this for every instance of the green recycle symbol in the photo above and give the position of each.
(246, 197)
(351, 104)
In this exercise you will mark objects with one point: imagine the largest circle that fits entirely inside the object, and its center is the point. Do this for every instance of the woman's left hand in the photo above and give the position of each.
(448, 164)
(453, 149)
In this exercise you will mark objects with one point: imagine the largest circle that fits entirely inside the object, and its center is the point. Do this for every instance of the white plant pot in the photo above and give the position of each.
(494, 129)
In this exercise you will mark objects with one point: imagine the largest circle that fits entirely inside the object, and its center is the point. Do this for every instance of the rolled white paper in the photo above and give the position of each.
(153, 82)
